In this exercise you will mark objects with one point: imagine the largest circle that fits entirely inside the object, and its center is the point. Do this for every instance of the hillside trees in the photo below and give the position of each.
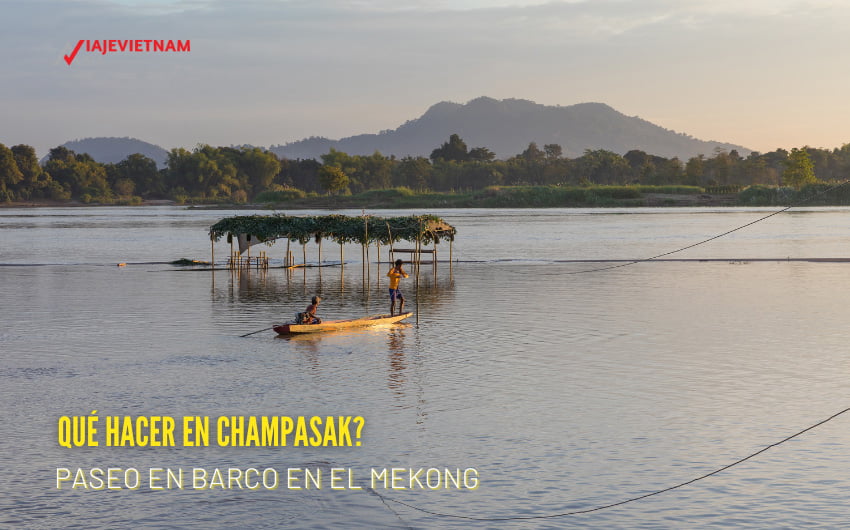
(302, 174)
(10, 175)
(601, 166)
(78, 174)
(136, 173)
(799, 169)
(413, 172)
(208, 173)
(454, 150)
(333, 179)
(27, 163)
(258, 167)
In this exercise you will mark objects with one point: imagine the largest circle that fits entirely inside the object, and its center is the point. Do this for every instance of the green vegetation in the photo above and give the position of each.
(186, 262)
(454, 175)
(280, 195)
(491, 197)
(338, 228)
(819, 194)
(799, 170)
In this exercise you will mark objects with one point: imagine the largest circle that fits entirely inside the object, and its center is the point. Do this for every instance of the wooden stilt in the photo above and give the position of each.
(390, 234)
(417, 260)
(434, 261)
(230, 240)
(365, 247)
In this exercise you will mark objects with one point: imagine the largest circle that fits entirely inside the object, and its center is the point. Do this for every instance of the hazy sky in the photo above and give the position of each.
(760, 73)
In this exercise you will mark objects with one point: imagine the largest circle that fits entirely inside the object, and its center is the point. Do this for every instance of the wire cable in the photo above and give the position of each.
(620, 503)
(671, 488)
(799, 203)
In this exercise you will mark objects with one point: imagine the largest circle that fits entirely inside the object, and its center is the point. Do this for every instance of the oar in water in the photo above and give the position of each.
(258, 331)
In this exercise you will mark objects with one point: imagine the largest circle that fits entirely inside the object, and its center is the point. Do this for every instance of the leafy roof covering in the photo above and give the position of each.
(338, 228)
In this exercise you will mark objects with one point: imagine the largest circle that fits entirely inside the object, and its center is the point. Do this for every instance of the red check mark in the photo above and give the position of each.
(70, 58)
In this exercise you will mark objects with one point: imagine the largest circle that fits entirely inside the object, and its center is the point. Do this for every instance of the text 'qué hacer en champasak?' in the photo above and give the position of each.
(202, 431)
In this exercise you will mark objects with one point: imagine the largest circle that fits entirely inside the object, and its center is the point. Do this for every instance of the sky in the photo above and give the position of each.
(763, 74)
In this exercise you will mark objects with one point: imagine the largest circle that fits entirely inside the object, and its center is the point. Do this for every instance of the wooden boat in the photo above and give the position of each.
(332, 325)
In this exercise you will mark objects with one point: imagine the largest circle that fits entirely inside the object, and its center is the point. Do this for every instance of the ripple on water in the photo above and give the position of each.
(566, 391)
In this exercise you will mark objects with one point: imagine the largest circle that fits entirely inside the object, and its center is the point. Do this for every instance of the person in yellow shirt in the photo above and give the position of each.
(395, 275)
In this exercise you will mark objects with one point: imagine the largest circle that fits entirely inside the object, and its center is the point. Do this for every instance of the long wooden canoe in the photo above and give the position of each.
(332, 325)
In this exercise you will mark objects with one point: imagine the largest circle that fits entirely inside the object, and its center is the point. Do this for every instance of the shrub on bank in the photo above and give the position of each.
(280, 195)
(670, 190)
(386, 194)
(825, 193)
(759, 196)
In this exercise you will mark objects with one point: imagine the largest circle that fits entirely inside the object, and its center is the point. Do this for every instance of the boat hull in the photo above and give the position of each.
(333, 325)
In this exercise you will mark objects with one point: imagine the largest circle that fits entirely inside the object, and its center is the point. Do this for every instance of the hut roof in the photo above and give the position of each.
(338, 228)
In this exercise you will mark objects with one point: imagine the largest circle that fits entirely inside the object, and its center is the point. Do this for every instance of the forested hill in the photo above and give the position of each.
(506, 127)
(111, 150)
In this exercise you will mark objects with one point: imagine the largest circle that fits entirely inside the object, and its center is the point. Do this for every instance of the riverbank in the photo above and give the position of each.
(79, 204)
(515, 197)
(510, 197)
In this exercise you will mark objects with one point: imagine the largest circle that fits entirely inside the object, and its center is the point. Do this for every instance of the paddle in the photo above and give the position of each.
(253, 332)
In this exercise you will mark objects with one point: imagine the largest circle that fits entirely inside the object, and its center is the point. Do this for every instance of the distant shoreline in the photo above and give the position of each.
(334, 203)
(635, 196)
(80, 204)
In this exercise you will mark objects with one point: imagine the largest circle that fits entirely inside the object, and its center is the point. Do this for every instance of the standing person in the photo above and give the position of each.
(309, 314)
(395, 275)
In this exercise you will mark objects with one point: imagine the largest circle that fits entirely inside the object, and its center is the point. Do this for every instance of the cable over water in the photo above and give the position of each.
(670, 488)
(718, 236)
(619, 503)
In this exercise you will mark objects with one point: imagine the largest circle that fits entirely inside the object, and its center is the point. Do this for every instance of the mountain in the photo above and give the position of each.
(113, 150)
(507, 126)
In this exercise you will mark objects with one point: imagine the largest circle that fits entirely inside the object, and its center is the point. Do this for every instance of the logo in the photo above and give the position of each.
(128, 46)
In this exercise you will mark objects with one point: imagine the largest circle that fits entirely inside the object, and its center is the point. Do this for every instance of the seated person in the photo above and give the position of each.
(309, 314)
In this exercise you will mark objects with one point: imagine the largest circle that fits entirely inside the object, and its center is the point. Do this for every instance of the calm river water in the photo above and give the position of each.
(563, 390)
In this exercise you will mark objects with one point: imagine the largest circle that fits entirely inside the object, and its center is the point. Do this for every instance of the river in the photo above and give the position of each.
(557, 387)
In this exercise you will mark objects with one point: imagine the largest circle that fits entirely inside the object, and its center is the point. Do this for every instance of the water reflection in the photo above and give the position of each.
(343, 295)
(398, 364)
(637, 378)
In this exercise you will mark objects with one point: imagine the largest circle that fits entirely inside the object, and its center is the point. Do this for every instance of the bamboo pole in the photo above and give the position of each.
(212, 252)
(288, 260)
(434, 260)
(365, 246)
(416, 258)
(390, 233)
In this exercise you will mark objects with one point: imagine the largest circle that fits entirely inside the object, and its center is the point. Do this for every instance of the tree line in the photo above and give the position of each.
(231, 174)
